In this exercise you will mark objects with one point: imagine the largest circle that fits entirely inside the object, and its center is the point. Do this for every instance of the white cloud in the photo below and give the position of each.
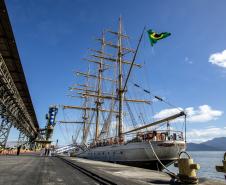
(167, 112)
(188, 60)
(201, 135)
(204, 113)
(218, 59)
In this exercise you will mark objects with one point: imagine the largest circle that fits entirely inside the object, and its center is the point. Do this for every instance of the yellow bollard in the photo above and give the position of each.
(187, 169)
(222, 168)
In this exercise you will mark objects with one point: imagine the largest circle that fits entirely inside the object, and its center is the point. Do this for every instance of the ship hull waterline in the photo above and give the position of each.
(138, 154)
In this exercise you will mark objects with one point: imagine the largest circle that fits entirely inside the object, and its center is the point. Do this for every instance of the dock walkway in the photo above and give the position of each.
(37, 170)
(40, 170)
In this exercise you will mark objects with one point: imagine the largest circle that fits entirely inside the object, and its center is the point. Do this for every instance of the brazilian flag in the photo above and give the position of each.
(154, 37)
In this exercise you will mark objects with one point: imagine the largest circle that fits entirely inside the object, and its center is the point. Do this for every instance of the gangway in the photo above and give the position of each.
(66, 148)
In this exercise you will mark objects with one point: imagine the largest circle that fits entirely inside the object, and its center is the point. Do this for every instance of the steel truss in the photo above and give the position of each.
(22, 139)
(12, 109)
(4, 131)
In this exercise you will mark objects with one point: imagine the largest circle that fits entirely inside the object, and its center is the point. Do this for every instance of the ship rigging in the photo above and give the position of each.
(127, 146)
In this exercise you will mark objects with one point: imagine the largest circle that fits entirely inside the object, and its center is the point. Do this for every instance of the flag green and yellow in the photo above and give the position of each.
(154, 37)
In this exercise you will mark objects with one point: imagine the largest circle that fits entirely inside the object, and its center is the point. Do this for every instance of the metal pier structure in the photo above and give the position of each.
(16, 108)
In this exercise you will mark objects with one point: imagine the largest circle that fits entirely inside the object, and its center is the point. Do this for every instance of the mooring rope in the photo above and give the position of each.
(170, 172)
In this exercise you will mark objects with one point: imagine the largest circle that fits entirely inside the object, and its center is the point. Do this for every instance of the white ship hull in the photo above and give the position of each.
(137, 153)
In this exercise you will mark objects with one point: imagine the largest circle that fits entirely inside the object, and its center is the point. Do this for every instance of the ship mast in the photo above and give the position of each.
(121, 51)
(120, 80)
(85, 116)
(99, 83)
(98, 57)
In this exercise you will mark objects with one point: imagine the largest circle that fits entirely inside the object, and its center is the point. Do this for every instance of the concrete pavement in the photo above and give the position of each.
(40, 170)
(36, 170)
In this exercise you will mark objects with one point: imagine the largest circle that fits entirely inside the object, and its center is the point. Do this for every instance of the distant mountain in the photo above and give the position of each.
(11, 143)
(216, 144)
(219, 142)
(200, 147)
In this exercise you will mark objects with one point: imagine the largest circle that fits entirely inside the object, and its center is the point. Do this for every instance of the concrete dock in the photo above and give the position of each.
(37, 170)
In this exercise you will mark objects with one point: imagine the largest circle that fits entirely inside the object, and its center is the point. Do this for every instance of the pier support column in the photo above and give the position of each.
(4, 131)
(22, 139)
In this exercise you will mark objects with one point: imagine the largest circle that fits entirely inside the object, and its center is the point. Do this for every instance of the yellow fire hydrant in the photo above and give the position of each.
(222, 168)
(187, 169)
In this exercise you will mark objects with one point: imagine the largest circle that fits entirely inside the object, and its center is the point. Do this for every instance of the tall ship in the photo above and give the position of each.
(112, 126)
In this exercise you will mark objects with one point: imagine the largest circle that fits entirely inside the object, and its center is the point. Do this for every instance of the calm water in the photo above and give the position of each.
(208, 161)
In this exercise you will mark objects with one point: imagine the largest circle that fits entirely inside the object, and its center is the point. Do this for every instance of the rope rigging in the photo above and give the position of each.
(155, 96)
(159, 99)
(131, 115)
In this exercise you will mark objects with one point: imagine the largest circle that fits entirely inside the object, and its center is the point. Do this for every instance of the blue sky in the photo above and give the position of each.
(53, 36)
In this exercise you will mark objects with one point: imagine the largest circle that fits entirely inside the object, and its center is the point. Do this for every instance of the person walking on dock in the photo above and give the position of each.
(45, 152)
(18, 150)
